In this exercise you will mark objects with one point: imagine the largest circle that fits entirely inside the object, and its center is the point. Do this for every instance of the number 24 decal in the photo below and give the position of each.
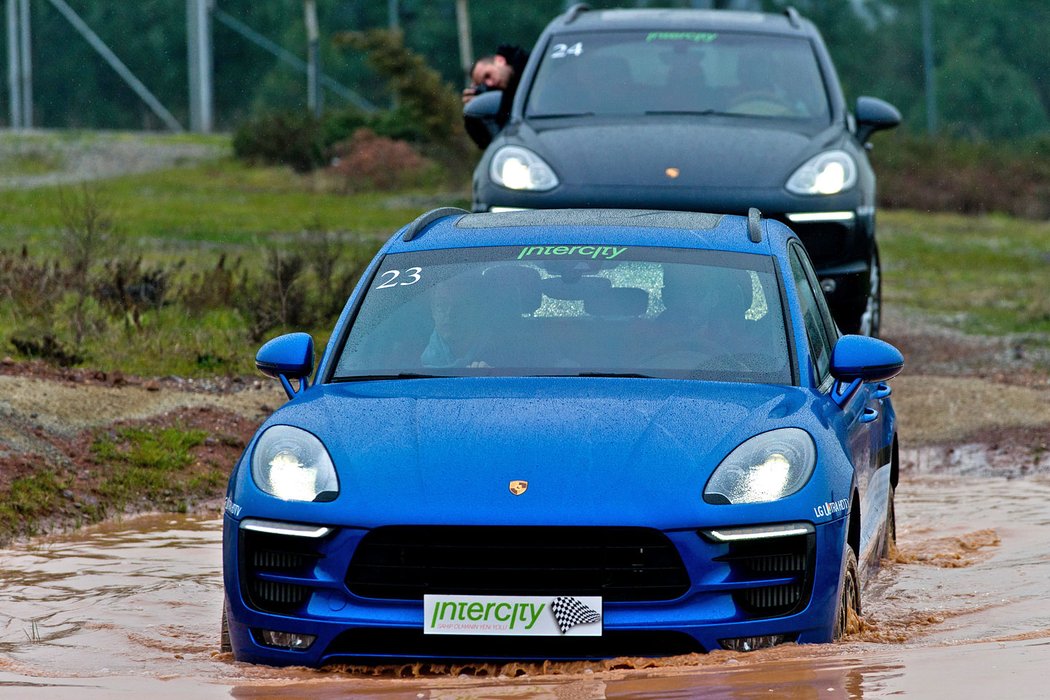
(390, 277)
(563, 50)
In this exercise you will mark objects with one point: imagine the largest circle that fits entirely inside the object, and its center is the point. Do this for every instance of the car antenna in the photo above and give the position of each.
(575, 11)
(423, 220)
(793, 16)
(754, 225)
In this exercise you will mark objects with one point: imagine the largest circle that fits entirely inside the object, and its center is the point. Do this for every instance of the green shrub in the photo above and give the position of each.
(967, 177)
(294, 139)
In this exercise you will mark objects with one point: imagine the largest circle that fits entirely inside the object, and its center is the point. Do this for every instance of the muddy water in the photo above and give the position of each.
(132, 610)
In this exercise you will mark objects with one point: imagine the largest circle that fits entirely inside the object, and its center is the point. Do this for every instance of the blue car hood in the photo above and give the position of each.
(707, 153)
(592, 451)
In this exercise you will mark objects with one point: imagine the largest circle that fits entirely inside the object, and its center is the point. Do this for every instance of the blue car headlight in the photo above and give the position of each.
(293, 465)
(518, 168)
(765, 468)
(830, 172)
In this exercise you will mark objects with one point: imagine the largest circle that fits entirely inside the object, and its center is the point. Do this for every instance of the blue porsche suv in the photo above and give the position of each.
(560, 435)
(695, 110)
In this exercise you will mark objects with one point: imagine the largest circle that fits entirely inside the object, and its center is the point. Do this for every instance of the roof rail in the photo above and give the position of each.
(423, 220)
(793, 16)
(754, 225)
(575, 11)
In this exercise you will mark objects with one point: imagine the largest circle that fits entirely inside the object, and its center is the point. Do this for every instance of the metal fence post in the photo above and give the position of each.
(14, 64)
(201, 65)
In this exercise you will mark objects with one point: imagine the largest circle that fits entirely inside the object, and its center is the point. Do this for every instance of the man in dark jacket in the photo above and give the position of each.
(500, 71)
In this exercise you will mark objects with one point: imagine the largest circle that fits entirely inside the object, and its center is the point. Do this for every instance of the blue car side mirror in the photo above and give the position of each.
(858, 357)
(287, 357)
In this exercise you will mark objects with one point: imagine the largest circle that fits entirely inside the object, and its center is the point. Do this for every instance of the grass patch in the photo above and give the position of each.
(185, 270)
(30, 163)
(29, 498)
(150, 465)
(987, 275)
(222, 205)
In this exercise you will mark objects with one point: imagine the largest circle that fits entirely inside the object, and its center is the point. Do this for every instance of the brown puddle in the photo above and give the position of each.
(132, 609)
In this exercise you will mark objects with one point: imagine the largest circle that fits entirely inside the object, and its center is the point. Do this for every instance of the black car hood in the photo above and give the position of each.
(706, 152)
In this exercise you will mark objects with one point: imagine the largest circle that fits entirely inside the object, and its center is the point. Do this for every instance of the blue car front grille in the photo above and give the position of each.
(617, 563)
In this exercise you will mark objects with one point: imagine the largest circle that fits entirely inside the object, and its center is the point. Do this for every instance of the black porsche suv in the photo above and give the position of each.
(700, 110)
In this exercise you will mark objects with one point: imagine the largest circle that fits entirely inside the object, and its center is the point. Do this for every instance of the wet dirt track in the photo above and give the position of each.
(131, 610)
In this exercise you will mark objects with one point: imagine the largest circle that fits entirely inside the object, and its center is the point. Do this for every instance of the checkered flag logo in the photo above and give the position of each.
(569, 612)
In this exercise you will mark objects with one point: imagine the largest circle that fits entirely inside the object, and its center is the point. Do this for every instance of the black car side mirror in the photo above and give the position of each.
(481, 117)
(874, 115)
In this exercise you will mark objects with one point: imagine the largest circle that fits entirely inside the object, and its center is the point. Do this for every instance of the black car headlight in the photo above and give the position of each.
(518, 168)
(830, 172)
(765, 468)
(293, 465)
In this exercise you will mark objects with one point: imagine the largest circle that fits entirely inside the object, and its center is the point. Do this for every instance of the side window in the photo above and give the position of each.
(822, 302)
(816, 331)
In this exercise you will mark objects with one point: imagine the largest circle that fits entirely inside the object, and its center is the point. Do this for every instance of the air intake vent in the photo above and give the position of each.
(780, 570)
(269, 558)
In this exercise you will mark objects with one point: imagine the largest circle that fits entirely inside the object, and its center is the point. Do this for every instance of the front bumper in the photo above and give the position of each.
(307, 586)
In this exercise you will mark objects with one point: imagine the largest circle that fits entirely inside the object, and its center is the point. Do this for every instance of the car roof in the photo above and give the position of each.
(451, 228)
(787, 23)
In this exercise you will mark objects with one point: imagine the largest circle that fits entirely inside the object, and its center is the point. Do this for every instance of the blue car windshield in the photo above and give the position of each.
(671, 72)
(570, 310)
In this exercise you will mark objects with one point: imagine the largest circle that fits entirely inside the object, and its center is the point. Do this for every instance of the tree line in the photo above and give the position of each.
(990, 64)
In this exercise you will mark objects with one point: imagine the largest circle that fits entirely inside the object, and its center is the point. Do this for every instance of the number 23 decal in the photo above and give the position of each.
(390, 278)
(563, 50)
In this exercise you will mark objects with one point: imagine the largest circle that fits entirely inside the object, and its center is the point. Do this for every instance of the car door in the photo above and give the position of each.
(862, 418)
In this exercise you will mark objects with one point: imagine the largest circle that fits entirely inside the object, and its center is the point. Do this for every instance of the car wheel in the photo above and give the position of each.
(849, 601)
(224, 634)
(871, 317)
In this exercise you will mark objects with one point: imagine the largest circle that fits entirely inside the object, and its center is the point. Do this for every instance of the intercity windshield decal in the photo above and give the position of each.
(595, 252)
(699, 37)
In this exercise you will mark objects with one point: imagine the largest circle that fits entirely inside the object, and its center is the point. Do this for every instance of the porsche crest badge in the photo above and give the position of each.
(518, 487)
(672, 173)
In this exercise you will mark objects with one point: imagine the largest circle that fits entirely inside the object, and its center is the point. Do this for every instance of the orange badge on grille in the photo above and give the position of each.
(672, 173)
(518, 487)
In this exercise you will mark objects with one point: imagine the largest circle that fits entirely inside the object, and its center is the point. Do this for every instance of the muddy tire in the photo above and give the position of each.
(224, 634)
(889, 541)
(871, 318)
(849, 600)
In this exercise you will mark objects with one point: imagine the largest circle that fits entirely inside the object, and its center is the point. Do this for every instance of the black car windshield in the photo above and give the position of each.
(670, 72)
(570, 310)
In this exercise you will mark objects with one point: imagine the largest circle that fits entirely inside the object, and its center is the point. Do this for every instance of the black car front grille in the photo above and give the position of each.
(619, 564)
(269, 557)
(829, 243)
(788, 560)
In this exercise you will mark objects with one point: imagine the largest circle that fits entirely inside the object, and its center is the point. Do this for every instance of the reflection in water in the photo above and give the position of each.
(133, 609)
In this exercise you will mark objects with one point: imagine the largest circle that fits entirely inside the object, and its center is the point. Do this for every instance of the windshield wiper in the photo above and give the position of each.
(563, 115)
(692, 112)
(629, 375)
(400, 375)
